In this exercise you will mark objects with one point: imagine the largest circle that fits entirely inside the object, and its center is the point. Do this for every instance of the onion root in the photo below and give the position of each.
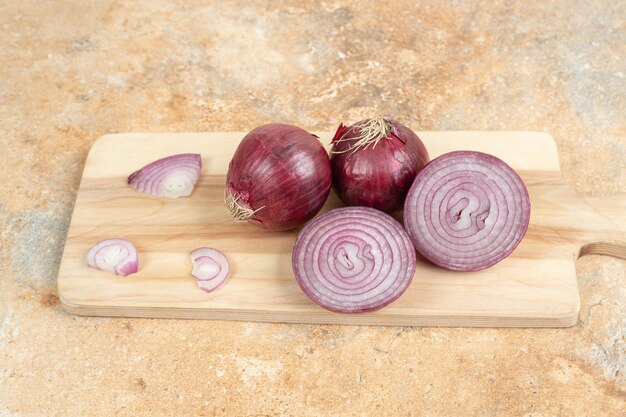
(237, 208)
(371, 131)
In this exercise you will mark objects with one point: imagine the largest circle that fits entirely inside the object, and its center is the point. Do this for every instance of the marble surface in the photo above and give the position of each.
(74, 70)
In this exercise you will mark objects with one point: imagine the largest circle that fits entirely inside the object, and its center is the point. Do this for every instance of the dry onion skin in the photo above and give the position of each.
(170, 177)
(353, 260)
(466, 211)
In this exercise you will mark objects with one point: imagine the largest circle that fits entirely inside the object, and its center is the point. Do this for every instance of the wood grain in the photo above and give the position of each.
(535, 287)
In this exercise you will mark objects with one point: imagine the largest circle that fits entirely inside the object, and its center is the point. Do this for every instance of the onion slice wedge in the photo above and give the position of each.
(210, 268)
(171, 177)
(353, 259)
(466, 211)
(113, 255)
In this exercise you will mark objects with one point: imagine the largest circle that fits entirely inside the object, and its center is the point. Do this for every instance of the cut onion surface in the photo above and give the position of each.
(210, 268)
(171, 177)
(353, 259)
(113, 255)
(466, 211)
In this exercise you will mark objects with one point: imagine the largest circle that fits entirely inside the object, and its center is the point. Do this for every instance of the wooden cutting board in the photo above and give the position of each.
(535, 287)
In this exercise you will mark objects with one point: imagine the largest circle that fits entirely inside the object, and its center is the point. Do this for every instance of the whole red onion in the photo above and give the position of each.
(279, 177)
(374, 163)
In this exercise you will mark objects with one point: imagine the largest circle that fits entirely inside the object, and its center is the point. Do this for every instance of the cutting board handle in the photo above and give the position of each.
(615, 249)
(607, 235)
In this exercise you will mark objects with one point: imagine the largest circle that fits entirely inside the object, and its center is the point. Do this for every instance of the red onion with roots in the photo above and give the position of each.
(279, 177)
(466, 211)
(374, 163)
(353, 259)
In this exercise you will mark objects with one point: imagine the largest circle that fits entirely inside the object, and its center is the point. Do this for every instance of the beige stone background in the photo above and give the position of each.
(71, 71)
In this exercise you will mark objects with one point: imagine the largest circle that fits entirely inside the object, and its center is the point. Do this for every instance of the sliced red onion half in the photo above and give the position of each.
(466, 211)
(353, 259)
(113, 255)
(210, 268)
(172, 177)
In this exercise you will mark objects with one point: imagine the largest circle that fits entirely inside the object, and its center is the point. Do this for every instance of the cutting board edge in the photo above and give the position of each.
(567, 318)
(430, 321)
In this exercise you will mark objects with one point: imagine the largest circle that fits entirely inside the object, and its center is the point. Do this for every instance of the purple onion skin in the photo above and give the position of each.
(283, 172)
(380, 176)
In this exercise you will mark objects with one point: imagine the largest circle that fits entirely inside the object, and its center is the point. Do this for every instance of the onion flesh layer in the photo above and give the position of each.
(171, 177)
(113, 255)
(210, 268)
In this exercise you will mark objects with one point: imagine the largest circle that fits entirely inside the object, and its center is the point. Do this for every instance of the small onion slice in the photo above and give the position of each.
(171, 177)
(210, 268)
(113, 255)
(353, 259)
(466, 211)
